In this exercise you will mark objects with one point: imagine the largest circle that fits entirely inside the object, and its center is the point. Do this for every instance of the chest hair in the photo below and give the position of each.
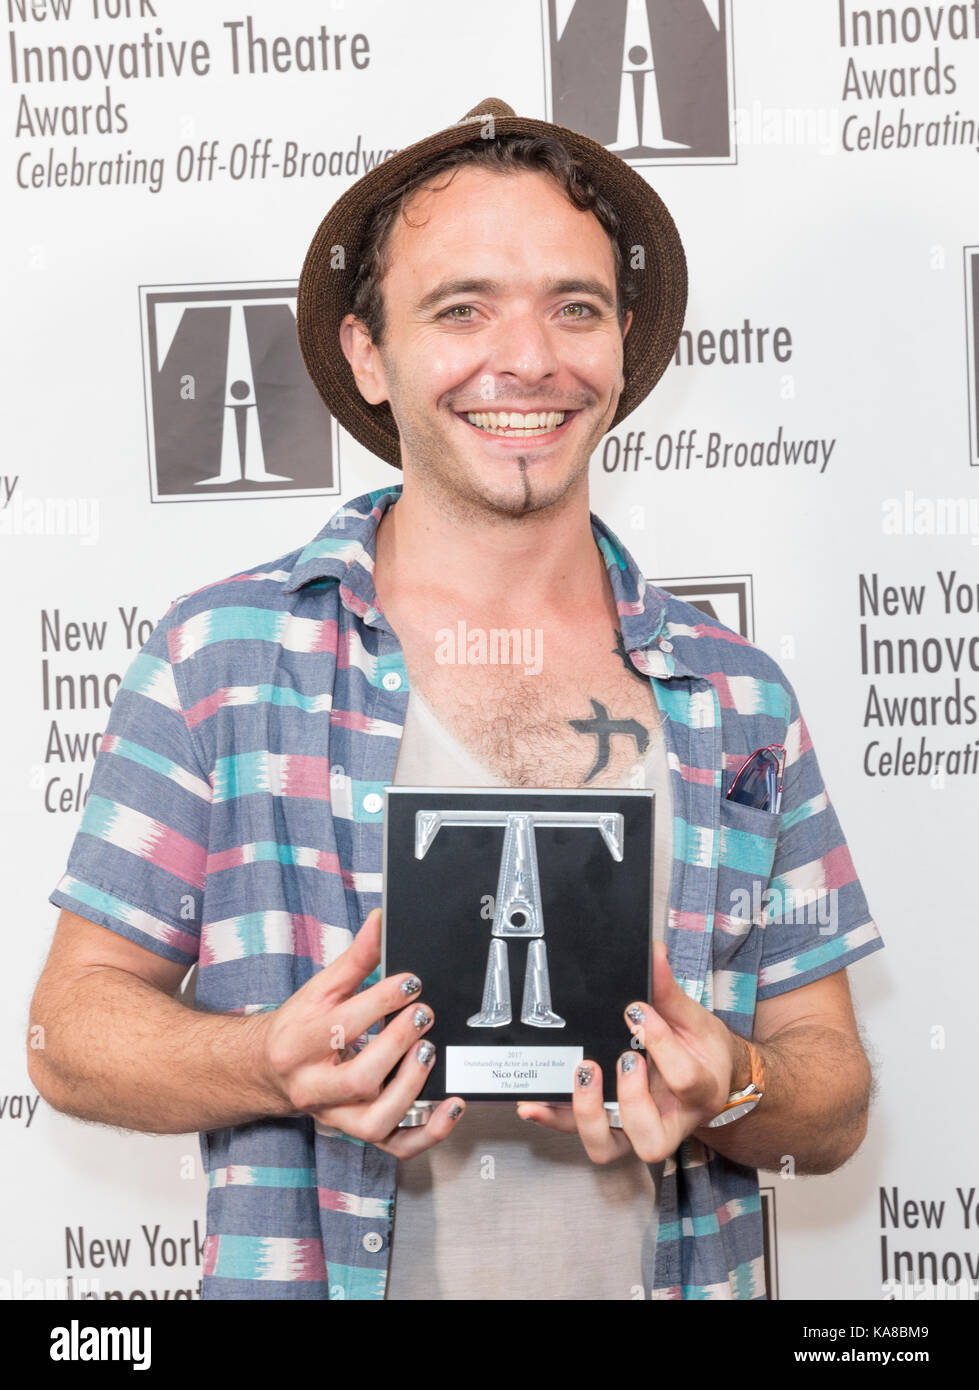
(587, 718)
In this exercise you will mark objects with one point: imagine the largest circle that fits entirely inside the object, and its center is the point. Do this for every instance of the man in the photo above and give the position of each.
(468, 311)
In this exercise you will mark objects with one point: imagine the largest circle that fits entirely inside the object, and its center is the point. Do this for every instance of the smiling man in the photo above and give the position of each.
(479, 311)
(486, 439)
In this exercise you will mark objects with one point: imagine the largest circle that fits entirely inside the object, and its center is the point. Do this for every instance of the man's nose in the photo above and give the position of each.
(524, 345)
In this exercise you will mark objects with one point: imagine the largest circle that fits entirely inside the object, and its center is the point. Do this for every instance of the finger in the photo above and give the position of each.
(549, 1116)
(669, 1000)
(344, 975)
(683, 1072)
(602, 1143)
(366, 1071)
(348, 1074)
(639, 1113)
(352, 1018)
(405, 1143)
(374, 1120)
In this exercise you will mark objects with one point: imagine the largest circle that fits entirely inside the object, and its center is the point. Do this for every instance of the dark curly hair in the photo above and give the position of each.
(506, 154)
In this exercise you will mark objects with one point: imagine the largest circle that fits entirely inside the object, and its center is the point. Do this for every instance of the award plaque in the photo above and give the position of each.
(527, 915)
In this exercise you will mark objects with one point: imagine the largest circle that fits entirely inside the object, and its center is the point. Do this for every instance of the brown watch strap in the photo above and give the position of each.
(757, 1076)
(757, 1069)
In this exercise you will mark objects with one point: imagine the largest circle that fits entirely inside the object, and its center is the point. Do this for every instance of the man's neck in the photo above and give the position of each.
(546, 563)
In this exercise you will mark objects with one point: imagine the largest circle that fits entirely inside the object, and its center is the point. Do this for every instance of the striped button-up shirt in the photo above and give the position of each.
(235, 820)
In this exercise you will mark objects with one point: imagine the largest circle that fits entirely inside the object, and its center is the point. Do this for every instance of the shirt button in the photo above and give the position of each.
(665, 646)
(373, 802)
(391, 680)
(372, 1242)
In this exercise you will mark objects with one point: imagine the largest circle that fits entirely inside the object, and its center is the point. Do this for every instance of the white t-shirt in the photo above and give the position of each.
(504, 1208)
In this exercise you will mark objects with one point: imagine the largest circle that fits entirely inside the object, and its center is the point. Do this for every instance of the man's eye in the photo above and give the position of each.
(447, 313)
(578, 305)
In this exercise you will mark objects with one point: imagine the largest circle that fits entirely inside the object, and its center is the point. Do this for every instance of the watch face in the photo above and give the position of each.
(734, 1113)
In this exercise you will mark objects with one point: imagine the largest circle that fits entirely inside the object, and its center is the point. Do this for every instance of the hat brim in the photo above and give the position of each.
(326, 280)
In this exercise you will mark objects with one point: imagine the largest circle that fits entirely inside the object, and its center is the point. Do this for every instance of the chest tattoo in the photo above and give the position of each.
(602, 726)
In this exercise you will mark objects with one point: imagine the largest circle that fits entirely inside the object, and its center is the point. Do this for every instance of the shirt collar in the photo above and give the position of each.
(345, 549)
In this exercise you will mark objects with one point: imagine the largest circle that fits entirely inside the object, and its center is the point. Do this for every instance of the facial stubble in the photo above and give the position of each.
(456, 493)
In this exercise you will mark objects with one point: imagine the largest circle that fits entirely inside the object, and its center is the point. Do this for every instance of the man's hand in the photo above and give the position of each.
(310, 1057)
(694, 1064)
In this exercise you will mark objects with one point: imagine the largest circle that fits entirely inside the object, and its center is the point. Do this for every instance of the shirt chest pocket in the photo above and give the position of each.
(746, 854)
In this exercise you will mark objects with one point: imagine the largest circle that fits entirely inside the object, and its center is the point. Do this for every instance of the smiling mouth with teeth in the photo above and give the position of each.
(516, 424)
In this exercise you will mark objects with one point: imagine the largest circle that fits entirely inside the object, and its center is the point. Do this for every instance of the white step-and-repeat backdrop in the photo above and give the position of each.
(805, 470)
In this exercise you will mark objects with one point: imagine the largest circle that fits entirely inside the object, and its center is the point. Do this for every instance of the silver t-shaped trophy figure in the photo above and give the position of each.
(517, 912)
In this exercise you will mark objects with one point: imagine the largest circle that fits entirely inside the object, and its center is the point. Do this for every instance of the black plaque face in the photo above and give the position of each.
(444, 920)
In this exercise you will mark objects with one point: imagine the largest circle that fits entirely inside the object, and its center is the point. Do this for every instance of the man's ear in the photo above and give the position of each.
(365, 360)
(626, 325)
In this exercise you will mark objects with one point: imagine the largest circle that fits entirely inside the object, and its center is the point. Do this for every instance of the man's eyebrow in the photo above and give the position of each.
(596, 288)
(445, 289)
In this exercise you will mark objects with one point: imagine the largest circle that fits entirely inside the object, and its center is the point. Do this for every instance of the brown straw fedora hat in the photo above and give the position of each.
(325, 287)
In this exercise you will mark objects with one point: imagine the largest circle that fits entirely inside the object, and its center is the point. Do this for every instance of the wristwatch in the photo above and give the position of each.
(741, 1102)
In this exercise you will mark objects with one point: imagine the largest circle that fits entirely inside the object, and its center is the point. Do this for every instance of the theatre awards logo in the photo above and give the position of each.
(652, 80)
(230, 409)
(972, 342)
(725, 598)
